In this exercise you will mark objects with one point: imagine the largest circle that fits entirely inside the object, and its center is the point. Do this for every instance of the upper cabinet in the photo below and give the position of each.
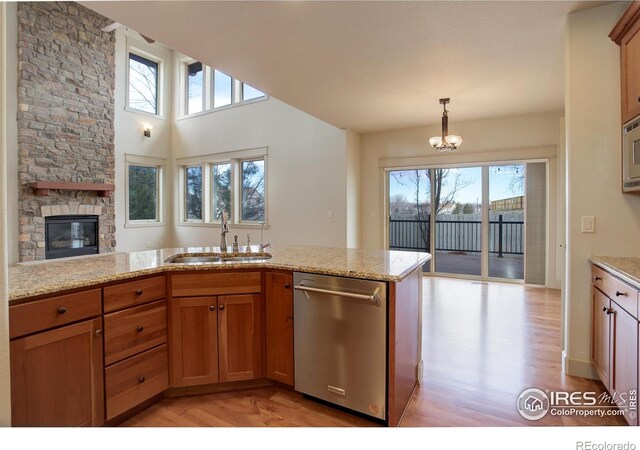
(626, 35)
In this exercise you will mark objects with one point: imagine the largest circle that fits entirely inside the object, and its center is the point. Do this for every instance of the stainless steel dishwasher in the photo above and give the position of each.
(340, 341)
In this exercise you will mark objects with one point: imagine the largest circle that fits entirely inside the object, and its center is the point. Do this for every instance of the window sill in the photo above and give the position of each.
(143, 224)
(236, 226)
(222, 108)
(144, 113)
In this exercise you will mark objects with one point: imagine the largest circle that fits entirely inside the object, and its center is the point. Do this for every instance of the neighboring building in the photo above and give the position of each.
(508, 204)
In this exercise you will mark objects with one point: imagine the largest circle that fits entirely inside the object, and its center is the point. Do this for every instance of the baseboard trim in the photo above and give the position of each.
(578, 368)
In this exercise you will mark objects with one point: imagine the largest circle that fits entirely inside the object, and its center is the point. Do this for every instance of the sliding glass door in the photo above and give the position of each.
(475, 221)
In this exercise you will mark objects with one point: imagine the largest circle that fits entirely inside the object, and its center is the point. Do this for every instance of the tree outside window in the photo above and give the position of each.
(143, 84)
(253, 191)
(221, 190)
(193, 200)
(143, 193)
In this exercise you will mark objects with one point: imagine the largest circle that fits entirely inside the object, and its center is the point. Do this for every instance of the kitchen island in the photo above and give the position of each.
(149, 327)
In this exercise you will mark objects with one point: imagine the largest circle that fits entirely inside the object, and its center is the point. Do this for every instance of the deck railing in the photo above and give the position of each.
(505, 237)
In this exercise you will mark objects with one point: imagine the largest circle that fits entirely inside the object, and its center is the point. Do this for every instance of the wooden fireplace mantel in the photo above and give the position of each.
(42, 188)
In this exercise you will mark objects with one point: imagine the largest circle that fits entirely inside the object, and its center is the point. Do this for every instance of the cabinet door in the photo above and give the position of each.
(194, 341)
(624, 358)
(57, 377)
(239, 334)
(279, 323)
(600, 337)
(630, 56)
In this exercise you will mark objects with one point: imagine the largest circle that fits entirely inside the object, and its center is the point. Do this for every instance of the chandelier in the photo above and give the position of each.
(447, 142)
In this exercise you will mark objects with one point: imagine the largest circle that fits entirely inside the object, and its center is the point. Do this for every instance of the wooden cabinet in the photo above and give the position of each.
(279, 326)
(624, 357)
(614, 345)
(216, 339)
(194, 341)
(600, 335)
(239, 337)
(626, 35)
(135, 343)
(57, 377)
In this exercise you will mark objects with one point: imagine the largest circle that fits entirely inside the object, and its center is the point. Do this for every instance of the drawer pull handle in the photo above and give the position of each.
(596, 278)
(221, 307)
(620, 294)
(604, 309)
(287, 286)
(141, 379)
(212, 308)
(139, 292)
(62, 310)
(98, 332)
(610, 311)
(140, 329)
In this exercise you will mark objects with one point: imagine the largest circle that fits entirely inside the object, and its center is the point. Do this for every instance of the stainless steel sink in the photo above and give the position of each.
(240, 258)
(193, 259)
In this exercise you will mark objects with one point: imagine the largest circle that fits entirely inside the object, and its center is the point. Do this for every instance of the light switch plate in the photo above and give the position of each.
(588, 224)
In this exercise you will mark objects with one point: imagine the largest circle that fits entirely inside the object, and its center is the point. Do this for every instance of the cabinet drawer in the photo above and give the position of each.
(191, 285)
(620, 292)
(134, 330)
(52, 312)
(134, 293)
(135, 380)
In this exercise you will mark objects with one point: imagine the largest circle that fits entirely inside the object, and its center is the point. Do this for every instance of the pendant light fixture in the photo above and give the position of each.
(447, 142)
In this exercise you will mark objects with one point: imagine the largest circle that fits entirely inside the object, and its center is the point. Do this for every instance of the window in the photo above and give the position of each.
(233, 182)
(250, 93)
(143, 84)
(193, 190)
(207, 89)
(144, 185)
(195, 88)
(222, 89)
(221, 185)
(253, 191)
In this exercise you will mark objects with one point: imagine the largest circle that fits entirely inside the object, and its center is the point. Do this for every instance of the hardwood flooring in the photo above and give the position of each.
(483, 344)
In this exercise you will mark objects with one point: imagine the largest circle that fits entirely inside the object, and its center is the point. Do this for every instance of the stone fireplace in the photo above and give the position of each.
(66, 83)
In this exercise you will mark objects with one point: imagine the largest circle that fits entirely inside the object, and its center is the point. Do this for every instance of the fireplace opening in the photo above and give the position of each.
(71, 236)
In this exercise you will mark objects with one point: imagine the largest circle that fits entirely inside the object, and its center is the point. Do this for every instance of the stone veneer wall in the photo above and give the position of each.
(66, 83)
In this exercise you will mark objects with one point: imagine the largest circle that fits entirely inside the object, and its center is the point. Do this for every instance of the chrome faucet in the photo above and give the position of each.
(263, 244)
(223, 234)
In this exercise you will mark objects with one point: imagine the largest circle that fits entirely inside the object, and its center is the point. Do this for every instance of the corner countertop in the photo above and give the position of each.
(625, 268)
(51, 276)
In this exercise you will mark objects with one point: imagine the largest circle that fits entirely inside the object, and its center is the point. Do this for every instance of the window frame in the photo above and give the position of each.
(252, 100)
(208, 90)
(160, 165)
(132, 48)
(235, 159)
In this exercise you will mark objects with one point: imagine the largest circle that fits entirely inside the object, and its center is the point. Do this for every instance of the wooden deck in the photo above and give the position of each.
(509, 266)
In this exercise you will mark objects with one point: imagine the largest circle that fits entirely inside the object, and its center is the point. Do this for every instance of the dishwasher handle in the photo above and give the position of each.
(372, 298)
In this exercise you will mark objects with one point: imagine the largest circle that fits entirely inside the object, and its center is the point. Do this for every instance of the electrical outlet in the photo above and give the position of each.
(588, 224)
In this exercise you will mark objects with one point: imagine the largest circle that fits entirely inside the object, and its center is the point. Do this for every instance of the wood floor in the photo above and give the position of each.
(484, 343)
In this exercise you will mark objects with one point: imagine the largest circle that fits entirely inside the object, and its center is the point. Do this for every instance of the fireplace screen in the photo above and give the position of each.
(71, 236)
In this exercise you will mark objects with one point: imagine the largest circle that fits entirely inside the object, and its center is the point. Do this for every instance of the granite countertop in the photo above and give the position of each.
(625, 268)
(46, 277)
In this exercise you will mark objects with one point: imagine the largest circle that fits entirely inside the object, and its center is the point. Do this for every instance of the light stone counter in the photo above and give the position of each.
(627, 269)
(33, 279)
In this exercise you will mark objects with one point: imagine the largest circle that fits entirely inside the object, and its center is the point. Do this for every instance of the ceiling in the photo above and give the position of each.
(373, 66)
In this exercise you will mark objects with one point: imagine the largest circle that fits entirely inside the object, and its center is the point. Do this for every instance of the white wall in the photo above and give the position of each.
(129, 139)
(593, 128)
(306, 174)
(5, 384)
(508, 138)
(353, 189)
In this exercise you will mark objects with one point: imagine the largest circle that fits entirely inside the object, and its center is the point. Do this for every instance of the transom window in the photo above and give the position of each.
(208, 89)
(143, 84)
